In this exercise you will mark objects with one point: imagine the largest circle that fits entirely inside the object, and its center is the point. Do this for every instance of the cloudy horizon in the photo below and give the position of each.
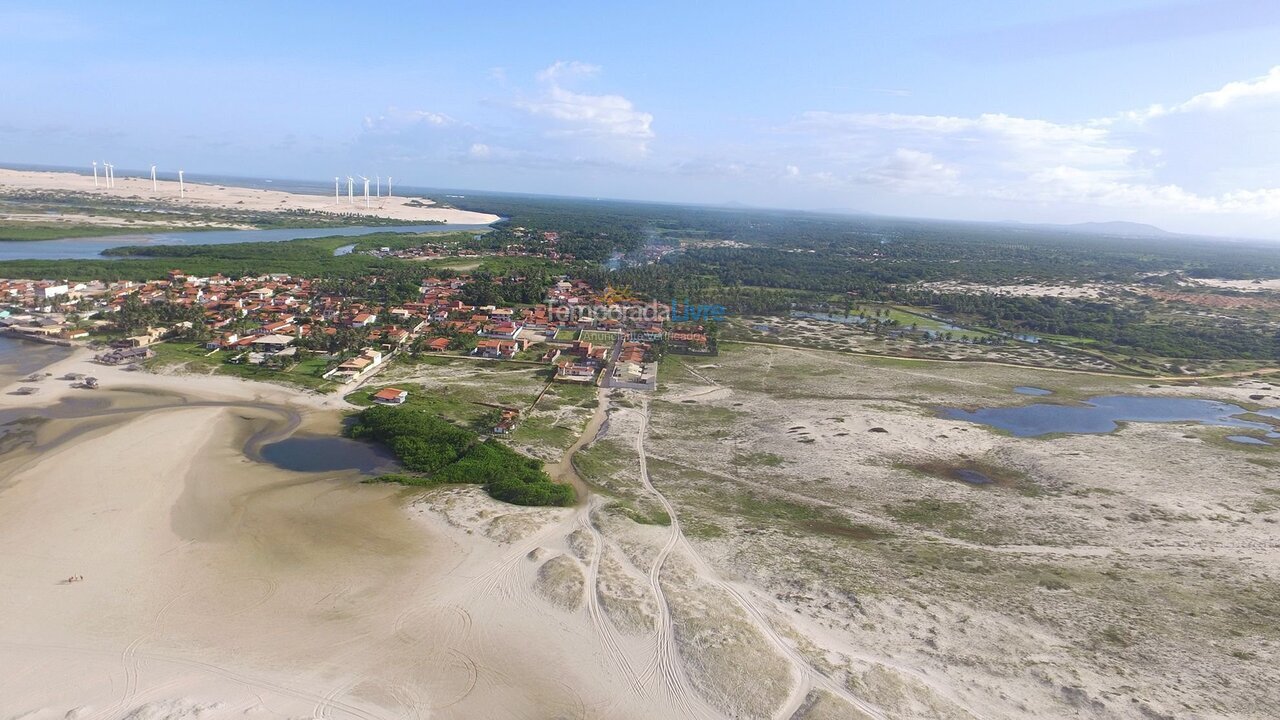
(1142, 111)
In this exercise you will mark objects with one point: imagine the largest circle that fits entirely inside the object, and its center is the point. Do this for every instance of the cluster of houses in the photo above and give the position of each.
(275, 318)
(27, 309)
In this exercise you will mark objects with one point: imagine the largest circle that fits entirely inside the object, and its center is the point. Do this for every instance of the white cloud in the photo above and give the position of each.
(549, 125)
(1139, 159)
(611, 119)
(580, 113)
(1073, 185)
(1029, 139)
(1209, 155)
(394, 119)
(1267, 86)
(913, 171)
(566, 69)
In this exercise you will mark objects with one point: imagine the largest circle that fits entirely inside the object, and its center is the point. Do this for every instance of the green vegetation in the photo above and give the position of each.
(444, 453)
(542, 431)
(952, 519)
(610, 467)
(754, 505)
(21, 231)
(311, 257)
(757, 459)
(759, 262)
(305, 373)
(462, 403)
(978, 475)
(508, 476)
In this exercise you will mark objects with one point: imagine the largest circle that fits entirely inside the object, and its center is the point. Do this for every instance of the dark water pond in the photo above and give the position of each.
(973, 477)
(1247, 440)
(1028, 390)
(327, 454)
(1101, 415)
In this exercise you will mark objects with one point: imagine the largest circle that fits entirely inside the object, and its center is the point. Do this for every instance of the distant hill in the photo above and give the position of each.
(1118, 228)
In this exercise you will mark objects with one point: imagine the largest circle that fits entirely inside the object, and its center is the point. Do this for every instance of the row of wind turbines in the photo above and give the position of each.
(351, 189)
(109, 177)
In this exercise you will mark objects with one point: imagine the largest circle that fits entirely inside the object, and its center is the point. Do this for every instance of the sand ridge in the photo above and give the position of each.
(229, 197)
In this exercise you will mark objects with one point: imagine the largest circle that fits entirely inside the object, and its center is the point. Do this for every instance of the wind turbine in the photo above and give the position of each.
(351, 190)
(335, 190)
(366, 190)
(95, 173)
(379, 179)
(182, 188)
(153, 178)
(111, 175)
(388, 186)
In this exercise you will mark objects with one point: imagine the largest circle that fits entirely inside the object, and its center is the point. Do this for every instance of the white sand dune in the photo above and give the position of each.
(203, 195)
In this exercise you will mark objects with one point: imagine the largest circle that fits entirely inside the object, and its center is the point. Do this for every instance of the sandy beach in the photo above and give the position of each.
(217, 586)
(775, 578)
(228, 197)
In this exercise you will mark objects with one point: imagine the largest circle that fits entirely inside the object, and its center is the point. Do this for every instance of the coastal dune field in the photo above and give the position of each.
(228, 197)
(750, 543)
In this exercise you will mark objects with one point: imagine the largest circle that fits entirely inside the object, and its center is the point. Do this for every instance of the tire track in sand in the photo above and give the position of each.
(805, 674)
(667, 666)
(600, 622)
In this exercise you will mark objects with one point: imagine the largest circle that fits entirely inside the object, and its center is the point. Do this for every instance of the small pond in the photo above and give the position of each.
(972, 477)
(1247, 440)
(1028, 390)
(1101, 415)
(301, 453)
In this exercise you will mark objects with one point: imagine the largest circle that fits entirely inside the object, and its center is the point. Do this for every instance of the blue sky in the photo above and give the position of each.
(1143, 110)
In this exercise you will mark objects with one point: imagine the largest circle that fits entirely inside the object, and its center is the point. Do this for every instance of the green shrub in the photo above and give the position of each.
(445, 453)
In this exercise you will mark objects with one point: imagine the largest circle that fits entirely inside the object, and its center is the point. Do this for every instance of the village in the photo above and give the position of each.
(319, 337)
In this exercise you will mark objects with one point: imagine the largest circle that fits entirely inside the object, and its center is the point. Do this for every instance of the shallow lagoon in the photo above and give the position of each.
(1102, 415)
(327, 454)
